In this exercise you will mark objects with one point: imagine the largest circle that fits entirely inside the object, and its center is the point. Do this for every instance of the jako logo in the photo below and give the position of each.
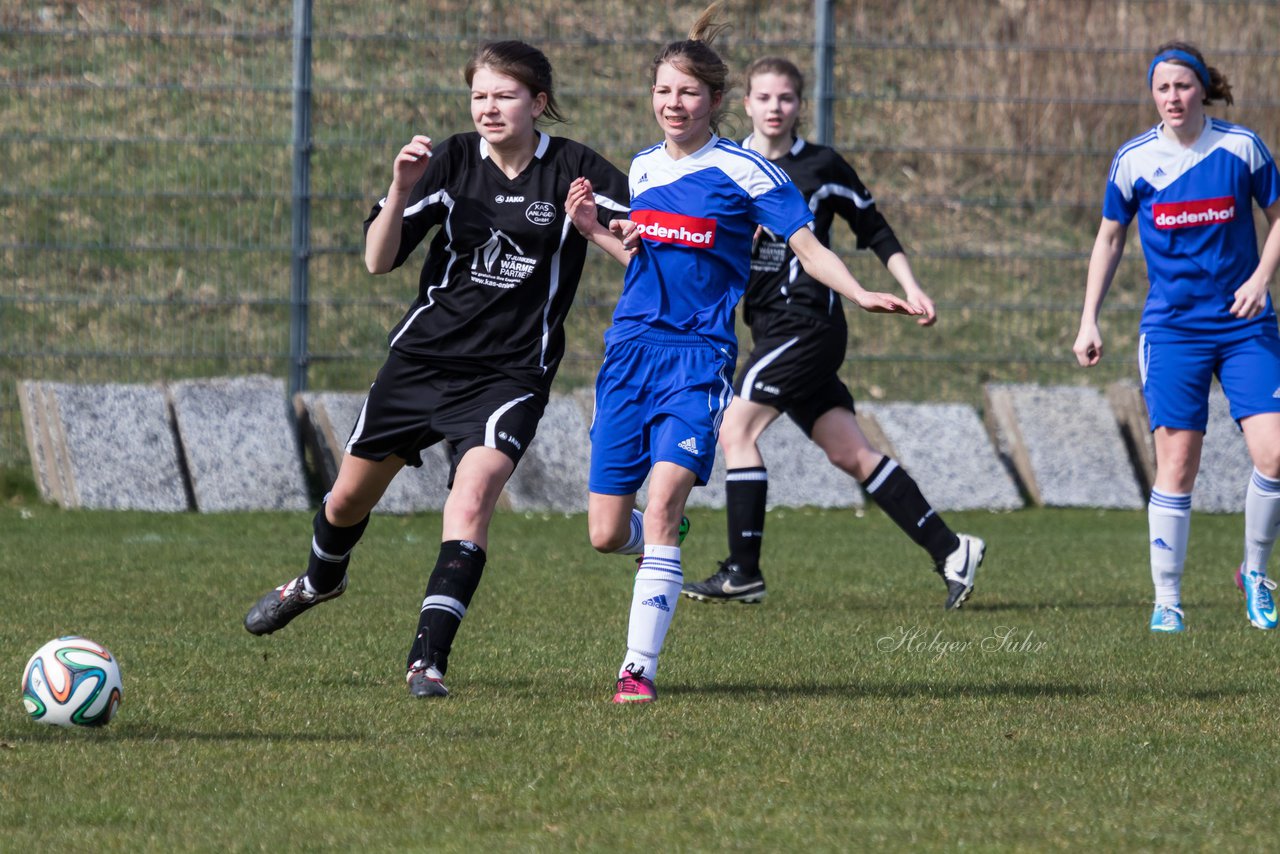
(666, 227)
(1198, 212)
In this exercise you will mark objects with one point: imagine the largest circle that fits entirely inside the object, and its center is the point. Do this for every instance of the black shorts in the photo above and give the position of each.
(794, 367)
(412, 405)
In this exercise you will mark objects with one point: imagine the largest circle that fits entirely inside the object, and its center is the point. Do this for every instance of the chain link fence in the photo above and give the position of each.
(147, 156)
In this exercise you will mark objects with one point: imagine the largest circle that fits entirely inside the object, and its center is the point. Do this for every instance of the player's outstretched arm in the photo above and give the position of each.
(825, 266)
(1108, 247)
(580, 206)
(382, 240)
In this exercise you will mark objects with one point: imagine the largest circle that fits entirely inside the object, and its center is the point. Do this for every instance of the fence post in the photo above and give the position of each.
(823, 57)
(300, 287)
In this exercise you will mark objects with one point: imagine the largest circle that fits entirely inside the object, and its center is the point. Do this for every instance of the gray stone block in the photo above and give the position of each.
(329, 417)
(1065, 445)
(552, 474)
(103, 447)
(946, 450)
(1225, 465)
(800, 475)
(119, 447)
(40, 446)
(1130, 408)
(239, 444)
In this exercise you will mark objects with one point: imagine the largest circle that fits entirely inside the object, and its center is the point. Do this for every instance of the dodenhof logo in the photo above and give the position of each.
(1194, 212)
(663, 227)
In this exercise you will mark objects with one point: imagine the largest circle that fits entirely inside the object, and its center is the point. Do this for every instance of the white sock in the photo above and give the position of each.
(1261, 517)
(653, 604)
(635, 543)
(1169, 520)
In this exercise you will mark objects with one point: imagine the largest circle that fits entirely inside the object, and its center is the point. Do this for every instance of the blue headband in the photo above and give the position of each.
(1182, 56)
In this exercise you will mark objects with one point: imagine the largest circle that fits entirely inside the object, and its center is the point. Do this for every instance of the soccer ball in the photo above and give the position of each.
(71, 681)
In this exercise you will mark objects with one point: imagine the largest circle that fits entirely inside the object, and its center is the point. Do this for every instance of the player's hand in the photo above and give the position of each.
(881, 303)
(411, 162)
(928, 313)
(628, 232)
(580, 206)
(1088, 346)
(1250, 299)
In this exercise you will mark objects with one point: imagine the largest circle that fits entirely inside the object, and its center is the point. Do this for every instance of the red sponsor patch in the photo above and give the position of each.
(665, 227)
(1191, 213)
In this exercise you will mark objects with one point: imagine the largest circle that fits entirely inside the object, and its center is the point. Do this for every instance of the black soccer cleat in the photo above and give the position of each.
(274, 610)
(425, 681)
(960, 569)
(731, 583)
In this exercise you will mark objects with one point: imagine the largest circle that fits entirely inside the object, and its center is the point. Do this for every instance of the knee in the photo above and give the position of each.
(605, 537)
(1268, 463)
(343, 508)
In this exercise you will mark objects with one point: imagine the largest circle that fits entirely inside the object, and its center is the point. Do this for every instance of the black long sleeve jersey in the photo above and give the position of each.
(831, 186)
(503, 267)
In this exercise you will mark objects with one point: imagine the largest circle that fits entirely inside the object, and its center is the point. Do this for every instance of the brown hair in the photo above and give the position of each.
(777, 65)
(1218, 88)
(523, 63)
(694, 57)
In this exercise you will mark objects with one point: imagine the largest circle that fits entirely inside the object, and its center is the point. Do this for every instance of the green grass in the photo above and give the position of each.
(804, 722)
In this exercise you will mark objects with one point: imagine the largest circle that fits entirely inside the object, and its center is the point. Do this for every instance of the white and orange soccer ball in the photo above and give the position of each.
(72, 681)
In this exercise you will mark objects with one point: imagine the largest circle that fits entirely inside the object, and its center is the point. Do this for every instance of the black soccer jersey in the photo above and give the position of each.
(830, 186)
(502, 270)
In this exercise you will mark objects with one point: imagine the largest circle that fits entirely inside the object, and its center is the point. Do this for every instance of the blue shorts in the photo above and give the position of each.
(660, 397)
(1176, 373)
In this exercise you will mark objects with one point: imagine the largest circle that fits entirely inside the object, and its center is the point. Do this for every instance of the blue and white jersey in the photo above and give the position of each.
(697, 217)
(1195, 219)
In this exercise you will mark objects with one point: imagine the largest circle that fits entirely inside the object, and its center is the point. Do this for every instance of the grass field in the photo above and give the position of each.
(847, 712)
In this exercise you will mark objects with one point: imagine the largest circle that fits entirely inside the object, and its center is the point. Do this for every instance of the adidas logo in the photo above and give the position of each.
(659, 602)
(643, 179)
(1159, 173)
(1276, 393)
(1161, 544)
(690, 445)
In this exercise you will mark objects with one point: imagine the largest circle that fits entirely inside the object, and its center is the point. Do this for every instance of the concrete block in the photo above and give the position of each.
(1065, 445)
(328, 419)
(946, 450)
(103, 447)
(239, 443)
(552, 474)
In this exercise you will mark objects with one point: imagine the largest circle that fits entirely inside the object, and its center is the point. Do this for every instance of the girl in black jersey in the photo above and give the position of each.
(471, 362)
(799, 338)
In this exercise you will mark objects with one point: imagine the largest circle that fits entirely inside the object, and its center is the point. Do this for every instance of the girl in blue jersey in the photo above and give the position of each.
(1191, 182)
(696, 201)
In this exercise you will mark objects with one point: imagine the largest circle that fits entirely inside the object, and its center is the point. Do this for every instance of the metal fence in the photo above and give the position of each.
(159, 222)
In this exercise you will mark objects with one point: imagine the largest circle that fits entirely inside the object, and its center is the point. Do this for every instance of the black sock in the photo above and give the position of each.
(331, 551)
(449, 590)
(899, 496)
(745, 491)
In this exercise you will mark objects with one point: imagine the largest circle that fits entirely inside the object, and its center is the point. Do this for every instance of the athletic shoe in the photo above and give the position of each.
(426, 681)
(1259, 605)
(635, 687)
(731, 583)
(1167, 618)
(274, 610)
(960, 569)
